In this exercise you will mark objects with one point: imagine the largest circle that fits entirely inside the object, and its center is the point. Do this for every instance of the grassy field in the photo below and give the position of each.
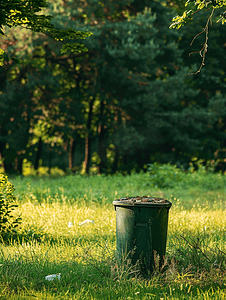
(51, 241)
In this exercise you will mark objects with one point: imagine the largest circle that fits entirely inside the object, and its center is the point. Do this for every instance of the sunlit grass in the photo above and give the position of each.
(51, 241)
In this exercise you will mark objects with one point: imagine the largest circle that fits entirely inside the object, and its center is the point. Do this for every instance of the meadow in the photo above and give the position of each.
(52, 240)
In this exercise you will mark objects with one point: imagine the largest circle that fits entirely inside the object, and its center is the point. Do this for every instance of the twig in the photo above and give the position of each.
(203, 51)
(196, 247)
(222, 252)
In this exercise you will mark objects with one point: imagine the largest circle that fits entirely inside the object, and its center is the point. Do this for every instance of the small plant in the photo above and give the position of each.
(163, 176)
(8, 221)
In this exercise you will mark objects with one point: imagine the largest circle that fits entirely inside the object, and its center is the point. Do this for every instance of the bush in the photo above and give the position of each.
(163, 176)
(8, 203)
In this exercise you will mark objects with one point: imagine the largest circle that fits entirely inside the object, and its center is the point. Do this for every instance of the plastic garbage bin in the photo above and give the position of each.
(141, 230)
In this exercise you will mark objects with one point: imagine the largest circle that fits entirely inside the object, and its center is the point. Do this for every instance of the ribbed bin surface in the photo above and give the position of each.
(141, 229)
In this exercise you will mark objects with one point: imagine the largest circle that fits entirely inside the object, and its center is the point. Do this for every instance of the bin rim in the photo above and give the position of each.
(119, 202)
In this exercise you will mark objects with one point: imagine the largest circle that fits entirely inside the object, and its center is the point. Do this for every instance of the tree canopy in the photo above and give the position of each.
(125, 102)
(30, 14)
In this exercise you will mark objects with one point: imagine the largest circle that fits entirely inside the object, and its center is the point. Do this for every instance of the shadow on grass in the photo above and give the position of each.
(30, 237)
(86, 277)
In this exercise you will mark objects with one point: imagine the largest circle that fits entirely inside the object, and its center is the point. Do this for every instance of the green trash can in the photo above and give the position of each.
(141, 230)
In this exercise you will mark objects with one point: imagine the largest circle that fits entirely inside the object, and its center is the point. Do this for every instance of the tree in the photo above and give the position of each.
(197, 6)
(29, 14)
(125, 102)
(130, 70)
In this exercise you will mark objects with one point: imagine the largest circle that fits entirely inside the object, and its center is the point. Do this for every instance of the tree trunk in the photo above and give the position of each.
(72, 145)
(38, 154)
(102, 153)
(20, 165)
(88, 139)
(101, 146)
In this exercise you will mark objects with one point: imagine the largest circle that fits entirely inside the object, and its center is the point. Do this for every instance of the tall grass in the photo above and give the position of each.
(50, 241)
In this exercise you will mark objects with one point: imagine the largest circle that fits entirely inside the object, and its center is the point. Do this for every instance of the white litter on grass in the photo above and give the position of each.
(86, 222)
(53, 276)
(70, 224)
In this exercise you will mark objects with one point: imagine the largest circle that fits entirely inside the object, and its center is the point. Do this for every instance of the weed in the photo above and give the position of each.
(8, 204)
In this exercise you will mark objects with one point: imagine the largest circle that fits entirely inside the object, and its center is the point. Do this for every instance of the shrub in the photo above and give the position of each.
(163, 176)
(8, 203)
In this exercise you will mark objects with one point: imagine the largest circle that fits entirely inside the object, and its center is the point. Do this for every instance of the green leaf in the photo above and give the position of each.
(16, 60)
(6, 57)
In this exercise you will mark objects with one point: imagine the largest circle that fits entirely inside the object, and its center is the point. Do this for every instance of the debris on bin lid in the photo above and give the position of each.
(143, 199)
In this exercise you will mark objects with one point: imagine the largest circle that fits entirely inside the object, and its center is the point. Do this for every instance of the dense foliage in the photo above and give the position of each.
(29, 14)
(126, 102)
(8, 220)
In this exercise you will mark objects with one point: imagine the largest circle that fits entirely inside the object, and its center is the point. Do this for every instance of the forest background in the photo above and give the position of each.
(126, 102)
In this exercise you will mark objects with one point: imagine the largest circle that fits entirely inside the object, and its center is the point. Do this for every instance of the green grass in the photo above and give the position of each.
(85, 255)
